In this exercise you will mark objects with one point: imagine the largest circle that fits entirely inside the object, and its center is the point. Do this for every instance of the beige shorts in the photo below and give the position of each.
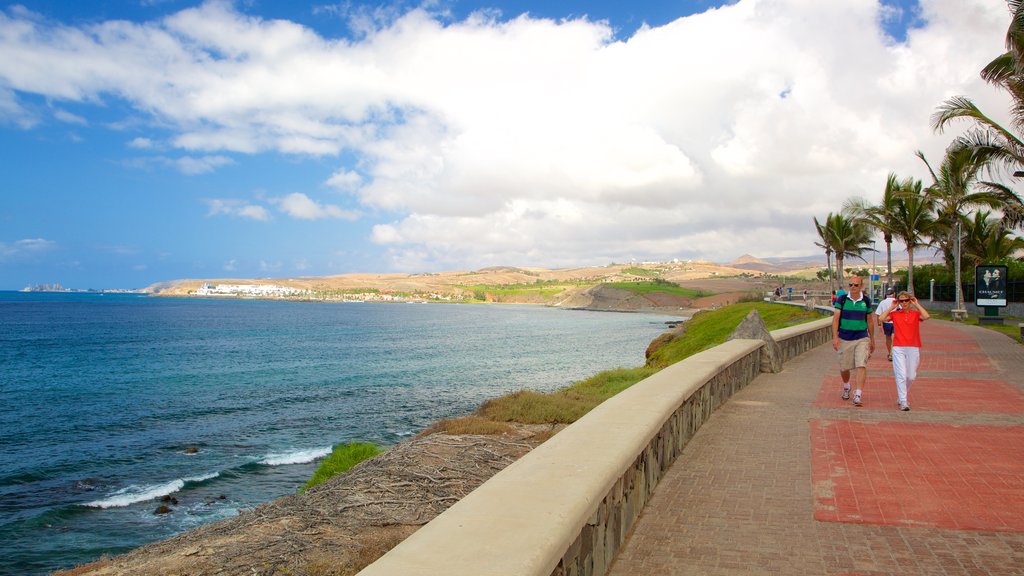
(854, 353)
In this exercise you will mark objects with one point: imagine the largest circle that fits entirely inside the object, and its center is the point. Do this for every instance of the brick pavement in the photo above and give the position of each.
(786, 478)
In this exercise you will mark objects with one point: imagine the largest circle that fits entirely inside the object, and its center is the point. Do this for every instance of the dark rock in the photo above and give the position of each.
(163, 509)
(753, 328)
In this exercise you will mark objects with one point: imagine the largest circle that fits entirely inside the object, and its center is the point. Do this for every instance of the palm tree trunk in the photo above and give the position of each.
(831, 278)
(956, 269)
(839, 269)
(910, 270)
(888, 264)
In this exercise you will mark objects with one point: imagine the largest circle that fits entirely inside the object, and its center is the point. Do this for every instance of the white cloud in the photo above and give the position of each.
(13, 113)
(69, 118)
(231, 265)
(25, 247)
(141, 143)
(201, 165)
(531, 141)
(345, 180)
(298, 205)
(239, 208)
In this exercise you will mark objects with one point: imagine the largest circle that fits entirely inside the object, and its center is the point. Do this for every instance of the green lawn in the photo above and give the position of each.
(658, 286)
(1008, 327)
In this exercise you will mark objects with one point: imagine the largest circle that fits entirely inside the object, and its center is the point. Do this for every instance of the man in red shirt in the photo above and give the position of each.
(906, 315)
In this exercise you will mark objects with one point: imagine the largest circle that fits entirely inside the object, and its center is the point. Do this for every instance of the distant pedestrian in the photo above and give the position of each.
(805, 294)
(887, 327)
(906, 315)
(853, 336)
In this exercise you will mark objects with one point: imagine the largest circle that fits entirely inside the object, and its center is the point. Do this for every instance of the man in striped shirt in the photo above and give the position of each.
(853, 336)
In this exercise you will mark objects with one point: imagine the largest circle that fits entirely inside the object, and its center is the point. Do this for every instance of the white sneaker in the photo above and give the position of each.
(904, 406)
(856, 401)
(846, 393)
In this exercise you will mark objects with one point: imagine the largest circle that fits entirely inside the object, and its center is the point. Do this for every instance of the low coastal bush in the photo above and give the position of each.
(563, 406)
(343, 457)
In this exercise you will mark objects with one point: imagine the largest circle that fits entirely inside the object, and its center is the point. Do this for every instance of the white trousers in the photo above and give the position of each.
(905, 360)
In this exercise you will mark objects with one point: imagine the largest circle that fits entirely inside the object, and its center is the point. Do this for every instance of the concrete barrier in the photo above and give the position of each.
(566, 507)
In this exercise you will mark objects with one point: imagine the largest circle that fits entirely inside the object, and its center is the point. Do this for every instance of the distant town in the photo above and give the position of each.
(58, 288)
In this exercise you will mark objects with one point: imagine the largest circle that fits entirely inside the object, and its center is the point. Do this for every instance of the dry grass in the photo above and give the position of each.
(468, 425)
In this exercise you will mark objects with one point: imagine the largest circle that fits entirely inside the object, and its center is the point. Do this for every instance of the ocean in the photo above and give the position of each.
(110, 403)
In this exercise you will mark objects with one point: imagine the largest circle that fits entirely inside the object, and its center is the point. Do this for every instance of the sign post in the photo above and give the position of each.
(990, 292)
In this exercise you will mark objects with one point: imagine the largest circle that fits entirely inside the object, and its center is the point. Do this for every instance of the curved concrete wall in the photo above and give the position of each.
(567, 506)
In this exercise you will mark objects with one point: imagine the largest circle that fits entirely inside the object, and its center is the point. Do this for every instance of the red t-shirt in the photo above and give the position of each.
(907, 323)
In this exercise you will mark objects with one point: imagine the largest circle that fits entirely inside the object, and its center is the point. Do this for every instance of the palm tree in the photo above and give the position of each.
(847, 236)
(912, 220)
(879, 216)
(998, 143)
(988, 240)
(955, 190)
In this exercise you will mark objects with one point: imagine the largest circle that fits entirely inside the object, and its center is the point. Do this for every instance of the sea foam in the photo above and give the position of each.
(134, 494)
(297, 457)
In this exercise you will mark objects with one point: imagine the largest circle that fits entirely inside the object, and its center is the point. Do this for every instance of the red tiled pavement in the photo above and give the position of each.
(901, 473)
(786, 478)
(929, 393)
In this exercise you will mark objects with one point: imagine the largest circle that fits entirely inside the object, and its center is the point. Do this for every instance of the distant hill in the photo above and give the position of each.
(775, 265)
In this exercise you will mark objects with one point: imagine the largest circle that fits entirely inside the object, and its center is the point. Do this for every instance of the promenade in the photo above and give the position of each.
(788, 478)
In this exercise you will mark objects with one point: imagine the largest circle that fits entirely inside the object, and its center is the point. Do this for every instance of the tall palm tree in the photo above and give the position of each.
(1000, 144)
(912, 220)
(955, 190)
(879, 216)
(848, 237)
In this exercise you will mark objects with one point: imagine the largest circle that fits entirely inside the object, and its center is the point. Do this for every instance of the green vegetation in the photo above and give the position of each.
(634, 271)
(658, 285)
(711, 328)
(344, 291)
(703, 331)
(542, 289)
(343, 457)
(566, 405)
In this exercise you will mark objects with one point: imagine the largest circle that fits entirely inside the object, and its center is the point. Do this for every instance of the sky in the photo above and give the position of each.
(151, 140)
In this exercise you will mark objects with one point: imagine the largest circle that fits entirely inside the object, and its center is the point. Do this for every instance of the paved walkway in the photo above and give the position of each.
(787, 478)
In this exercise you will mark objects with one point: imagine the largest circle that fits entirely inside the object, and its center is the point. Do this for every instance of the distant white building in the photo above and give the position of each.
(247, 290)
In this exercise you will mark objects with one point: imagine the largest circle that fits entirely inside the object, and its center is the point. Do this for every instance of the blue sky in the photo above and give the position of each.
(153, 140)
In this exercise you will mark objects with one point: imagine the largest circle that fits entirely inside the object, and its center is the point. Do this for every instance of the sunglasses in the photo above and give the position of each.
(902, 301)
(851, 285)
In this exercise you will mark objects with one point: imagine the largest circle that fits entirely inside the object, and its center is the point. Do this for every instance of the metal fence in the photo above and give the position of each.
(947, 292)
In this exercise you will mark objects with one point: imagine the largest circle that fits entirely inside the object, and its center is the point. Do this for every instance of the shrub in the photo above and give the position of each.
(343, 457)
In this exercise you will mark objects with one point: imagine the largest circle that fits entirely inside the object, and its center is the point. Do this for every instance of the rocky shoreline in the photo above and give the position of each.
(342, 525)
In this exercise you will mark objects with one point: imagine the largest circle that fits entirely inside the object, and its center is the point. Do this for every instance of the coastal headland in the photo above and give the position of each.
(686, 286)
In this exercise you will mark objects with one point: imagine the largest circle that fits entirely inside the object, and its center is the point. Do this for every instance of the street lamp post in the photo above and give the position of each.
(873, 252)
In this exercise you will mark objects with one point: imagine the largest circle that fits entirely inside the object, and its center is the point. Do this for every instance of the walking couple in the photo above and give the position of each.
(853, 337)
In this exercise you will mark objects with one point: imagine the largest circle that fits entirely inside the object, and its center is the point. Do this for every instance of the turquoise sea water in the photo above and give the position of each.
(104, 396)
